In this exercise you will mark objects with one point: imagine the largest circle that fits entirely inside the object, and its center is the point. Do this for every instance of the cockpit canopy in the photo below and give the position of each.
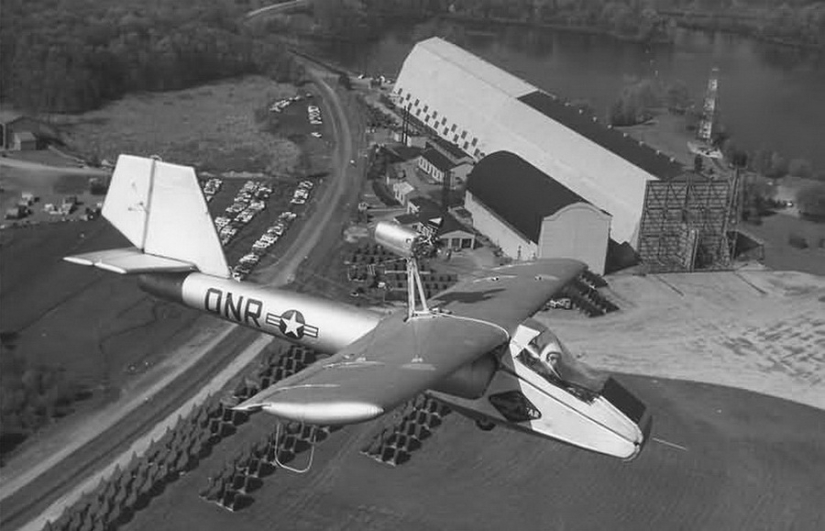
(546, 355)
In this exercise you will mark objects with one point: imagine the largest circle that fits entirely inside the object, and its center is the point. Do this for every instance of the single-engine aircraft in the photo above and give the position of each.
(473, 346)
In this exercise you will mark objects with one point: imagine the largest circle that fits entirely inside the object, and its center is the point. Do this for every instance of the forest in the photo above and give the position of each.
(799, 22)
(75, 55)
(30, 395)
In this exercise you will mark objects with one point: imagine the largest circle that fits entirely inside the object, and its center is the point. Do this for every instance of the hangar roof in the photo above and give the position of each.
(500, 112)
(474, 66)
(619, 143)
(518, 192)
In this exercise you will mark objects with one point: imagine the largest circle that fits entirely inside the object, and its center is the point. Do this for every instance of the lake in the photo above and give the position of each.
(769, 97)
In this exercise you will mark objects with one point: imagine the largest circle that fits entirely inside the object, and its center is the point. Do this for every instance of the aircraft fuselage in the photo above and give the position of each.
(324, 325)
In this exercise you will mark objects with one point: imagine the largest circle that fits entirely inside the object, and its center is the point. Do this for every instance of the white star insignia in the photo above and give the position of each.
(293, 326)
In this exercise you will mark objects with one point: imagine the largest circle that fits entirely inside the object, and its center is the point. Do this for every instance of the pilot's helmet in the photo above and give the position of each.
(552, 352)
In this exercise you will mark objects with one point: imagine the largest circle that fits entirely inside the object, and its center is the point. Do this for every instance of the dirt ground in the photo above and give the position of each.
(744, 462)
(757, 330)
(56, 312)
(50, 184)
(721, 457)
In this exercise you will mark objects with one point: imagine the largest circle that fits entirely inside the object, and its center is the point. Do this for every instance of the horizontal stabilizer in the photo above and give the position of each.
(160, 208)
(130, 261)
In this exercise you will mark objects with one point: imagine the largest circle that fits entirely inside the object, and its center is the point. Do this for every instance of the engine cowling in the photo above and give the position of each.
(471, 380)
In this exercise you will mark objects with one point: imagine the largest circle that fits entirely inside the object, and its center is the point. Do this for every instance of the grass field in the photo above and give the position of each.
(776, 230)
(92, 324)
(212, 127)
(100, 328)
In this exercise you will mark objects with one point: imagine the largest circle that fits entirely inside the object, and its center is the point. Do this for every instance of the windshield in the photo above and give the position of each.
(548, 357)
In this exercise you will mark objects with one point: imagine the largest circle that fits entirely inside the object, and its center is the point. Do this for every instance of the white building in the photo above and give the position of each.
(483, 109)
(530, 215)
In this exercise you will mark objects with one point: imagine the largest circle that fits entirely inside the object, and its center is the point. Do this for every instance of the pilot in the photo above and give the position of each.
(551, 354)
(546, 358)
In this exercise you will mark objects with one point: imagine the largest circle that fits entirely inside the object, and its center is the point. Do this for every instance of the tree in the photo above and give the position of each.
(800, 168)
(811, 201)
(634, 104)
(677, 97)
(778, 166)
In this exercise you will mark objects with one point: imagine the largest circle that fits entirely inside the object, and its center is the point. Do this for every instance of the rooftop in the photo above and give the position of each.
(585, 124)
(450, 149)
(473, 66)
(433, 217)
(518, 192)
(403, 152)
(437, 159)
(9, 116)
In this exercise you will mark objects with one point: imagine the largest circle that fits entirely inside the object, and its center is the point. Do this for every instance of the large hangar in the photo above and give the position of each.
(528, 214)
(484, 109)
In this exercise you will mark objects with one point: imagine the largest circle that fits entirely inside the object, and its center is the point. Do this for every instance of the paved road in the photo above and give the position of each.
(36, 166)
(43, 489)
(275, 8)
(332, 208)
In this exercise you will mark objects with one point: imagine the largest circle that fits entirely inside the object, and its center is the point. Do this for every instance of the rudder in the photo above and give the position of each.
(160, 208)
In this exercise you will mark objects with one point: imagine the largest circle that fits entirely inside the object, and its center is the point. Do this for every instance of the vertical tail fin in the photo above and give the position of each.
(160, 208)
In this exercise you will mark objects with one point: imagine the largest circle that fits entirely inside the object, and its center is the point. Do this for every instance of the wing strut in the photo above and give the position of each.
(414, 284)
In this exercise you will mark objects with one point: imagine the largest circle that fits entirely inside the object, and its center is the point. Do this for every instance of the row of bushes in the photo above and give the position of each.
(128, 490)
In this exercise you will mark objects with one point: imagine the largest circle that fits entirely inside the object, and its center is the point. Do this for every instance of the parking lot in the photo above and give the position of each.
(253, 215)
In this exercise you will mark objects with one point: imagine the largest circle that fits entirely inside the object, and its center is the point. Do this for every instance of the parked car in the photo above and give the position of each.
(246, 216)
(564, 303)
(240, 272)
(277, 229)
(250, 259)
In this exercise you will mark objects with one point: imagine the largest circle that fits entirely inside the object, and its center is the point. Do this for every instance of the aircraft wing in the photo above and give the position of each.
(398, 359)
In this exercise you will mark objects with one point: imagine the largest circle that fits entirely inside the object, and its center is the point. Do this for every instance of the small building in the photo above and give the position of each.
(460, 173)
(453, 153)
(21, 133)
(24, 141)
(414, 141)
(530, 215)
(446, 229)
(421, 204)
(16, 212)
(402, 191)
(434, 164)
(402, 153)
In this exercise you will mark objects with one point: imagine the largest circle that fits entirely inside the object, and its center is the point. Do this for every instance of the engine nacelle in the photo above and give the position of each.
(401, 240)
(471, 380)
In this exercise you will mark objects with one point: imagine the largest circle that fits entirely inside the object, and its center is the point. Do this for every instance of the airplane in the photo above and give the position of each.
(474, 346)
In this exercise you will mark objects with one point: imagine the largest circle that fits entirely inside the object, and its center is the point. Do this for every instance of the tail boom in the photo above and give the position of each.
(323, 325)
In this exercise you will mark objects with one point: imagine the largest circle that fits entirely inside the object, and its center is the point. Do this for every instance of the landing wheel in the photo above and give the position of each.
(485, 425)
